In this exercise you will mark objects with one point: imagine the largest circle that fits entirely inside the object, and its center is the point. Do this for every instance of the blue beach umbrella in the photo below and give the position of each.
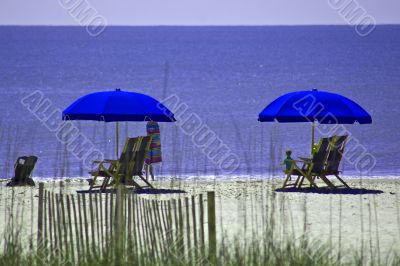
(314, 106)
(116, 106)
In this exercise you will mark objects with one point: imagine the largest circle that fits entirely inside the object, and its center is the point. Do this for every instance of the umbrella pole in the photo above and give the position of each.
(312, 136)
(116, 140)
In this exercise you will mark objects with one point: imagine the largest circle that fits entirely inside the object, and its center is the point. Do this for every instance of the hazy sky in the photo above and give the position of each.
(195, 12)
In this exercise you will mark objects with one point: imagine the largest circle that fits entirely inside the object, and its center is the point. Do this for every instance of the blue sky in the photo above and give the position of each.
(195, 12)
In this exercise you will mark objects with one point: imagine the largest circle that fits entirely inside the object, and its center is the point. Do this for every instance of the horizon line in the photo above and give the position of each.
(193, 25)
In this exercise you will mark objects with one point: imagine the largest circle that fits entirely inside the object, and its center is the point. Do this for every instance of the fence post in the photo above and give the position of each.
(119, 211)
(212, 238)
(40, 216)
(118, 224)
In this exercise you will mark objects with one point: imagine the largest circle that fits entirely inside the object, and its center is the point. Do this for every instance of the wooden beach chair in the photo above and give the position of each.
(310, 166)
(129, 164)
(113, 168)
(136, 164)
(334, 159)
(136, 168)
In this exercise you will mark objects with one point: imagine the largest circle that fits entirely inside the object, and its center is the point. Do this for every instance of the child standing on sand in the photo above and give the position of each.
(288, 161)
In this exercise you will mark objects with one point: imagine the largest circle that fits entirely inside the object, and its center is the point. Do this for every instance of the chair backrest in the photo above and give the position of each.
(24, 167)
(140, 151)
(126, 155)
(335, 155)
(319, 158)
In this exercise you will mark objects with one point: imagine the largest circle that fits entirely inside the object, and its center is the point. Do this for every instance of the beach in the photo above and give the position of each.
(348, 224)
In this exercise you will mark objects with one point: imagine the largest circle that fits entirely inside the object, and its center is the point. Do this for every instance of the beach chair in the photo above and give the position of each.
(139, 157)
(110, 169)
(310, 166)
(136, 164)
(130, 164)
(23, 169)
(334, 159)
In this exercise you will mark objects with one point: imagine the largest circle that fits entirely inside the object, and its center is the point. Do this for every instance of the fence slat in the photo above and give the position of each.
(202, 241)
(40, 216)
(137, 225)
(45, 217)
(81, 235)
(169, 222)
(106, 218)
(63, 223)
(71, 238)
(92, 223)
(101, 222)
(212, 240)
(181, 240)
(54, 223)
(188, 241)
(85, 222)
(59, 221)
(194, 227)
(50, 220)
(78, 239)
(156, 224)
(96, 202)
(129, 229)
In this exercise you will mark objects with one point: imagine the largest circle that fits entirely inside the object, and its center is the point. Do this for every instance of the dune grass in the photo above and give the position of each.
(259, 252)
(260, 249)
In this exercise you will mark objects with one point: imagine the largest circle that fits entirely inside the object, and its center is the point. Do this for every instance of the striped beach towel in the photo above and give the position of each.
(154, 154)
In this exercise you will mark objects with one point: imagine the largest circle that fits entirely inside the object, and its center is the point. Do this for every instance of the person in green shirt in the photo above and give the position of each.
(288, 161)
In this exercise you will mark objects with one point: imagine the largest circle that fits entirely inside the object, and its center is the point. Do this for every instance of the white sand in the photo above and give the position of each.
(348, 222)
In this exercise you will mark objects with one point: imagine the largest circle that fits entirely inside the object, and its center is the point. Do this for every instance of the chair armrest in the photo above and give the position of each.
(299, 161)
(110, 161)
(305, 159)
(105, 161)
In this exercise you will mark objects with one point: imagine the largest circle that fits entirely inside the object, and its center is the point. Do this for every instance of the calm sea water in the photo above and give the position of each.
(226, 75)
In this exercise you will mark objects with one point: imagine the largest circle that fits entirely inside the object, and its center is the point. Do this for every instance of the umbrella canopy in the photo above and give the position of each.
(314, 106)
(113, 106)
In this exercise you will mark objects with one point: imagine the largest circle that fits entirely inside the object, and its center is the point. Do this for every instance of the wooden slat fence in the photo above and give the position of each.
(76, 224)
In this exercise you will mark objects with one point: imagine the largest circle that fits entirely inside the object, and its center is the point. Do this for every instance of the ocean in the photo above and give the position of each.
(224, 75)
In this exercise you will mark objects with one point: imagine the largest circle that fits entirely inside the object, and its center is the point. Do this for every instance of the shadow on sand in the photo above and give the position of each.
(346, 191)
(157, 191)
(136, 191)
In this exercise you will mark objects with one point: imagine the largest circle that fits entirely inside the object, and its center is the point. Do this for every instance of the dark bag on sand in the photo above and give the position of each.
(23, 171)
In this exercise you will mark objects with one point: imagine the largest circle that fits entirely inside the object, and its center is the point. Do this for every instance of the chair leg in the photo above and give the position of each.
(105, 183)
(93, 182)
(286, 180)
(311, 185)
(152, 172)
(301, 182)
(326, 180)
(135, 184)
(147, 171)
(310, 179)
(147, 182)
(297, 181)
(341, 180)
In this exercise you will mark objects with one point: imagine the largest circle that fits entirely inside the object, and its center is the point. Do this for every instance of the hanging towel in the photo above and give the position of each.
(154, 154)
